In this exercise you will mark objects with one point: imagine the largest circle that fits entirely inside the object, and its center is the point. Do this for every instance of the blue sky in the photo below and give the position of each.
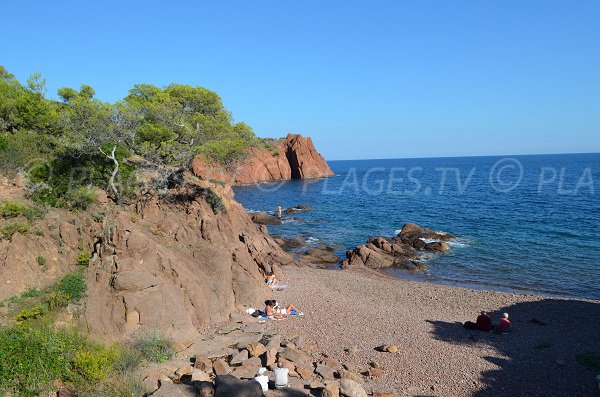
(378, 79)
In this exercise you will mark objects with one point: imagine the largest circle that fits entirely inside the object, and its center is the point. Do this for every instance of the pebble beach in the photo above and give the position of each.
(350, 313)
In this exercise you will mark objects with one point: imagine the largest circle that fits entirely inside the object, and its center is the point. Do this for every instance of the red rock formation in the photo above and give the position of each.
(399, 251)
(172, 264)
(294, 158)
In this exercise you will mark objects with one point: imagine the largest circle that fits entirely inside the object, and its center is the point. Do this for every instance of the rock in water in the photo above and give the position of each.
(262, 218)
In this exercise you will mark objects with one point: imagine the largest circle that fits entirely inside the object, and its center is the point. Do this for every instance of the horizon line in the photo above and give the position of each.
(468, 156)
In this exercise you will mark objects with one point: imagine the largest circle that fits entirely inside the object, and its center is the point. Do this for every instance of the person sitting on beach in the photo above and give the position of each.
(271, 280)
(484, 322)
(503, 324)
(273, 311)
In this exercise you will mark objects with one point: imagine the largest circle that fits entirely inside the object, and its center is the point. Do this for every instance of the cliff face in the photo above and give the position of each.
(169, 264)
(294, 157)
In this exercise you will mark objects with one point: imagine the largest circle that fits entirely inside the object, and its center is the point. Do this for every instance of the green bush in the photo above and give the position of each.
(57, 299)
(214, 201)
(41, 260)
(72, 285)
(31, 357)
(11, 209)
(83, 259)
(32, 313)
(80, 198)
(8, 230)
(94, 365)
(155, 347)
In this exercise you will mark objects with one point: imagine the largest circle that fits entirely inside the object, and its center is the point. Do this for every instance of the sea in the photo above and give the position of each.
(527, 224)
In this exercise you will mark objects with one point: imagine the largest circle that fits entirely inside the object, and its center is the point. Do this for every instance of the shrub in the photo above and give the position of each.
(7, 231)
(155, 347)
(83, 259)
(72, 285)
(80, 198)
(57, 299)
(32, 357)
(11, 209)
(41, 260)
(213, 200)
(94, 365)
(31, 313)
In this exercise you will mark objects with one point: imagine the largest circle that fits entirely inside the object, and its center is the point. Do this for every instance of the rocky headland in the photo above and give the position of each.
(293, 157)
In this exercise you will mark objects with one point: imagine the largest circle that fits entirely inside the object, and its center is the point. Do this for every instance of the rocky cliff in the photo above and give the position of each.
(172, 264)
(294, 157)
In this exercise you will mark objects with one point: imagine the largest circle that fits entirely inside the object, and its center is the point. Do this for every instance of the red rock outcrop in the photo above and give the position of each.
(179, 265)
(172, 264)
(294, 157)
(400, 251)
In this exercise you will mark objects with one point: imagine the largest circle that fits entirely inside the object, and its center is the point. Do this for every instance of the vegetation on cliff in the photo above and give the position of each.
(67, 147)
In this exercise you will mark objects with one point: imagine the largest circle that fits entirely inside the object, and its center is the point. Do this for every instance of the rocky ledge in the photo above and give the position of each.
(400, 251)
(293, 157)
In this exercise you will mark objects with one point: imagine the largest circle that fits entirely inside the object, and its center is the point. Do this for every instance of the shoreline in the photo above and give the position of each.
(360, 309)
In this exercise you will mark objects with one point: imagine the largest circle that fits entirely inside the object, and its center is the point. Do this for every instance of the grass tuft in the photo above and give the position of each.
(155, 347)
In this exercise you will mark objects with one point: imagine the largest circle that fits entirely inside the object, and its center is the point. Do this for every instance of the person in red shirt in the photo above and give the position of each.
(503, 324)
(484, 322)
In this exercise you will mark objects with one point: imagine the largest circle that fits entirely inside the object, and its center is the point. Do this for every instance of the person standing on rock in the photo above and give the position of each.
(279, 212)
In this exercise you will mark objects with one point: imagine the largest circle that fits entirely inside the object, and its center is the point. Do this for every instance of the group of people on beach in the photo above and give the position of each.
(484, 323)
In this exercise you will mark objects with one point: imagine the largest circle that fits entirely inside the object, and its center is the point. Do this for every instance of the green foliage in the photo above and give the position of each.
(225, 151)
(32, 293)
(11, 209)
(214, 201)
(589, 360)
(57, 299)
(154, 347)
(65, 147)
(94, 364)
(9, 229)
(32, 356)
(31, 313)
(83, 259)
(80, 198)
(73, 285)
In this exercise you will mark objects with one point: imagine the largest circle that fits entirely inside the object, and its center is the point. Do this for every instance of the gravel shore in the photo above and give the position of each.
(349, 313)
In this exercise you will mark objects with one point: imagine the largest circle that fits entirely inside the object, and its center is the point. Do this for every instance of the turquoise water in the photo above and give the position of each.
(524, 223)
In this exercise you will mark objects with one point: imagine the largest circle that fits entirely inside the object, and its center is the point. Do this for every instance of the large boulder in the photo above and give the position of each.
(229, 386)
(350, 388)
